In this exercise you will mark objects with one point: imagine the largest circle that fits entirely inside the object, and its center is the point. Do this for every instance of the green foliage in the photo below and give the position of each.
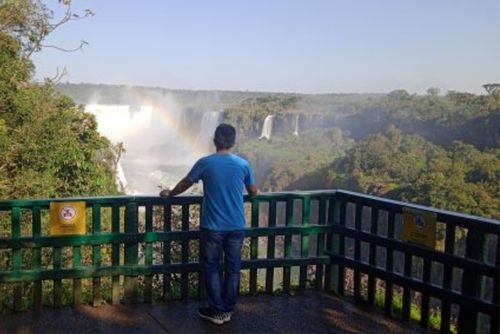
(452, 109)
(31, 21)
(289, 162)
(48, 146)
(410, 168)
(28, 21)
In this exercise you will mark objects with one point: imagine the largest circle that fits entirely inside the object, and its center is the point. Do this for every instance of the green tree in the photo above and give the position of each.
(49, 147)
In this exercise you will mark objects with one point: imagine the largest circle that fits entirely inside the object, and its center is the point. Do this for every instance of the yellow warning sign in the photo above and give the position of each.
(419, 227)
(67, 218)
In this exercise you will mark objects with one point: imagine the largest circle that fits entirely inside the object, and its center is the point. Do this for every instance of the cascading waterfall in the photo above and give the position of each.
(209, 121)
(296, 132)
(267, 128)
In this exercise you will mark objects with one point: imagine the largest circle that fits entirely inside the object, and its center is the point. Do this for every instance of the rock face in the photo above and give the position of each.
(291, 123)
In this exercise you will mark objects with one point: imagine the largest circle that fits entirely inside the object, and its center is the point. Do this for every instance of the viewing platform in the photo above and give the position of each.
(313, 262)
(306, 312)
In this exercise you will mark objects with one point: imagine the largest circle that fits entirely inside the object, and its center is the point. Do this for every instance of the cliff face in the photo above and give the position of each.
(482, 132)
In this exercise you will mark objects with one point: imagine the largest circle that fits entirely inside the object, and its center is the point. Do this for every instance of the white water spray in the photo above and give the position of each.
(267, 128)
(209, 122)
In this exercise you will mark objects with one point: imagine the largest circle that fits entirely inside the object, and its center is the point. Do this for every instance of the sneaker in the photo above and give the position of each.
(226, 316)
(214, 317)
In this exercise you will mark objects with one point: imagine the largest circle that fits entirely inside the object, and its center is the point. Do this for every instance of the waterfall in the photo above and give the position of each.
(209, 121)
(296, 132)
(121, 181)
(156, 151)
(267, 128)
(119, 122)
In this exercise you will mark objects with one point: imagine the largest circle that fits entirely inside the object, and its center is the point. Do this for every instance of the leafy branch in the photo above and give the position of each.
(31, 21)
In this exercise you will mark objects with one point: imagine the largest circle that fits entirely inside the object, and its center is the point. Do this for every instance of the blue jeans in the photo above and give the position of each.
(221, 297)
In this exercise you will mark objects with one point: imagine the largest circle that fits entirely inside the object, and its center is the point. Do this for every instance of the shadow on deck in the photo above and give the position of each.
(308, 312)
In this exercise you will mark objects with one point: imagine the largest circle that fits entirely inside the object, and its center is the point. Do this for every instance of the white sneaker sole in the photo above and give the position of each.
(212, 320)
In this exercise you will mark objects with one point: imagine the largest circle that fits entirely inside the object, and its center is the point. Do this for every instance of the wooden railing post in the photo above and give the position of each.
(304, 240)
(148, 280)
(372, 286)
(37, 260)
(96, 255)
(357, 252)
(271, 246)
(336, 276)
(115, 251)
(471, 282)
(167, 227)
(389, 264)
(185, 252)
(131, 253)
(254, 245)
(16, 256)
(288, 245)
(320, 244)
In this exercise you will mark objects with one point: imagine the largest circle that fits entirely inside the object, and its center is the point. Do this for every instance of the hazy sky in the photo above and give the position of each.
(307, 46)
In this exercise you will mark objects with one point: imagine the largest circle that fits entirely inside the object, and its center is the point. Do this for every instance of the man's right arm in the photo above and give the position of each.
(249, 181)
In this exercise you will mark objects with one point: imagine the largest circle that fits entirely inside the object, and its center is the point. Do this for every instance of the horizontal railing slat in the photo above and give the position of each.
(105, 238)
(134, 270)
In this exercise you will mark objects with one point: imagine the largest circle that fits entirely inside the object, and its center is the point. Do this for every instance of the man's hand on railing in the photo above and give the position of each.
(165, 193)
(179, 188)
(252, 190)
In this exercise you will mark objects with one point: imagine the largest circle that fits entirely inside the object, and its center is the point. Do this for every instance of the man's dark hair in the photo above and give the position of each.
(225, 136)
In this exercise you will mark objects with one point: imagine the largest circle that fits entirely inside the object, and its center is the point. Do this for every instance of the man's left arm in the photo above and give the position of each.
(181, 187)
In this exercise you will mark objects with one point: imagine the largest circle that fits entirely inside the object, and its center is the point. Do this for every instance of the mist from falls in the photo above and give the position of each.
(160, 143)
(209, 122)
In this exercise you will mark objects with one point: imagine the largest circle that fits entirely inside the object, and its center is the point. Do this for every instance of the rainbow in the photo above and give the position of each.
(184, 136)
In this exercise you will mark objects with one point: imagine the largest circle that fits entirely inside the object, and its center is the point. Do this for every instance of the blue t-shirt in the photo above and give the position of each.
(223, 176)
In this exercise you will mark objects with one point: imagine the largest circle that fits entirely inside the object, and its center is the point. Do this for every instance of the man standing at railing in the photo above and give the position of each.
(224, 176)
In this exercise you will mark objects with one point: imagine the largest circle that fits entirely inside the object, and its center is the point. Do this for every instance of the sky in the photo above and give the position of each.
(307, 46)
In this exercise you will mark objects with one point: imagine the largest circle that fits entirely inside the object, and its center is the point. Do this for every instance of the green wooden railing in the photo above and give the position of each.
(146, 249)
(466, 263)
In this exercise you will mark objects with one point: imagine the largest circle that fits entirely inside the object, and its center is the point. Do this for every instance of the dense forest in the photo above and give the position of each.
(437, 150)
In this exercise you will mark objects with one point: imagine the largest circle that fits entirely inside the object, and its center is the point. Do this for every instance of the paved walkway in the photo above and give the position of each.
(310, 312)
